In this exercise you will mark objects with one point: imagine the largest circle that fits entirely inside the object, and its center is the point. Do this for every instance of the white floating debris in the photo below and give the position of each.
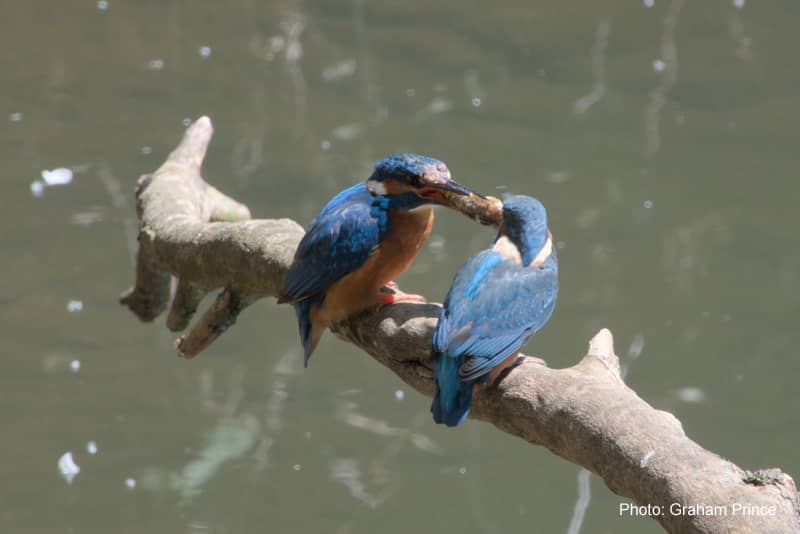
(37, 188)
(325, 145)
(649, 3)
(691, 394)
(410, 92)
(155, 64)
(297, 467)
(130, 483)
(67, 467)
(91, 447)
(146, 150)
(738, 4)
(462, 470)
(102, 5)
(399, 394)
(15, 117)
(204, 51)
(75, 365)
(659, 65)
(74, 306)
(648, 204)
(476, 102)
(59, 176)
(187, 121)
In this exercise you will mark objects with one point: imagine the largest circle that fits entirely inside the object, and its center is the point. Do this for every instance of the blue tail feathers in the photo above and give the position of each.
(302, 309)
(453, 396)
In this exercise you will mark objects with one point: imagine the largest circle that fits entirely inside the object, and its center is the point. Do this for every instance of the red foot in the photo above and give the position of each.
(391, 294)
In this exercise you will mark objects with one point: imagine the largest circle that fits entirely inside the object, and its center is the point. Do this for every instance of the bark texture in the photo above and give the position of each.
(585, 413)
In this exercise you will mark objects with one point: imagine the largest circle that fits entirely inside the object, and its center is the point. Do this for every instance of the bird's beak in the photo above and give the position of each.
(484, 210)
(451, 187)
(447, 192)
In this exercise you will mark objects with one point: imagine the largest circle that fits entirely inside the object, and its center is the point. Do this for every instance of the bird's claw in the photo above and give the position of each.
(391, 294)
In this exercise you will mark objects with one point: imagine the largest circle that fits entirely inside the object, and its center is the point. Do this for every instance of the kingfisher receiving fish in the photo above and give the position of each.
(498, 300)
(362, 239)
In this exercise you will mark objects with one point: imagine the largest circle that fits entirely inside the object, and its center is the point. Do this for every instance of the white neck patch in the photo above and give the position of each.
(507, 248)
(544, 253)
(375, 187)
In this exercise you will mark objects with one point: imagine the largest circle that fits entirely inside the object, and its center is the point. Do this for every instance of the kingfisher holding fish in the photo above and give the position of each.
(498, 300)
(363, 238)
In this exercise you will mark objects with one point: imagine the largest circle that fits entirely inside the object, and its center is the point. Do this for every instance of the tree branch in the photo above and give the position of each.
(585, 414)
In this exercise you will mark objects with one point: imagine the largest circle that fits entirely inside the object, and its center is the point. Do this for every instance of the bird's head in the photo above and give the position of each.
(525, 225)
(427, 178)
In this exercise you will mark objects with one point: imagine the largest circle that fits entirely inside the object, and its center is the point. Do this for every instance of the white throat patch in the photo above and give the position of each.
(543, 254)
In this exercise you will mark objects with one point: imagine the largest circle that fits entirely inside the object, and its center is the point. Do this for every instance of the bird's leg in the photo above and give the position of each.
(392, 294)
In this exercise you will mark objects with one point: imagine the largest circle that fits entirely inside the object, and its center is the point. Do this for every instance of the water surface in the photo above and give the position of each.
(661, 139)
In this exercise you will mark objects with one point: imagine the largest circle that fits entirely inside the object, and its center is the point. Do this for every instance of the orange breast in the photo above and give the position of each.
(359, 289)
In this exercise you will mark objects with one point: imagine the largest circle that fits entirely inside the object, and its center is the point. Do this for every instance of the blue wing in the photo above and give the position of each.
(339, 240)
(493, 308)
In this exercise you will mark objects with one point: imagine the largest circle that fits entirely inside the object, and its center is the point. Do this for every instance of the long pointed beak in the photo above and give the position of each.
(455, 188)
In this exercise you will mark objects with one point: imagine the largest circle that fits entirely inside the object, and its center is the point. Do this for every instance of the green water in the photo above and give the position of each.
(672, 194)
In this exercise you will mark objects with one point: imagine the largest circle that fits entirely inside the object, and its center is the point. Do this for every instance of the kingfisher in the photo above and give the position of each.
(498, 300)
(362, 239)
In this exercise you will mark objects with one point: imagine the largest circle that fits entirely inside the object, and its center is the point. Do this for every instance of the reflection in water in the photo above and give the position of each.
(230, 438)
(346, 471)
(598, 55)
(474, 88)
(286, 367)
(634, 351)
(582, 502)
(435, 107)
(341, 69)
(348, 412)
(378, 112)
(744, 44)
(248, 154)
(120, 201)
(689, 250)
(669, 76)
